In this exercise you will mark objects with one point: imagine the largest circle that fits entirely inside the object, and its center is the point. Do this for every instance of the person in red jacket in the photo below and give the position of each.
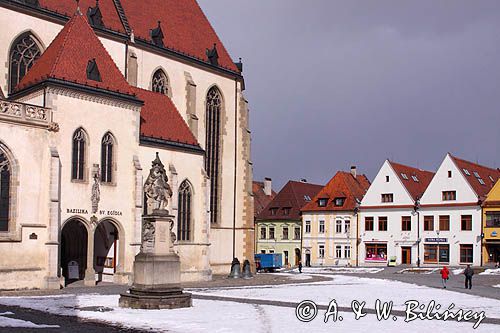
(445, 275)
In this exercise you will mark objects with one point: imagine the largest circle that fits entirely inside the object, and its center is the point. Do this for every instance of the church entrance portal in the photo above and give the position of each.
(74, 240)
(105, 251)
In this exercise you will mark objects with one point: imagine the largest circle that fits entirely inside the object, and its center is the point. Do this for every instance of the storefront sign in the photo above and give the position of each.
(436, 240)
(76, 211)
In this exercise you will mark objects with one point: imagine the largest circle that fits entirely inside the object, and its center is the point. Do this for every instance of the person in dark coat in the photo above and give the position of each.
(300, 266)
(468, 272)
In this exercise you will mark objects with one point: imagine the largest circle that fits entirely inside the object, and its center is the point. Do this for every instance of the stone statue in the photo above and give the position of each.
(148, 237)
(156, 189)
(96, 194)
(173, 237)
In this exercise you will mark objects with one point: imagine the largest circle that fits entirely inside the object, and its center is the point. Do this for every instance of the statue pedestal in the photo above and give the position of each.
(156, 269)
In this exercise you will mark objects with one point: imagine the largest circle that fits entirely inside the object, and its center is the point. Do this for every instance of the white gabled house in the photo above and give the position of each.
(388, 221)
(450, 212)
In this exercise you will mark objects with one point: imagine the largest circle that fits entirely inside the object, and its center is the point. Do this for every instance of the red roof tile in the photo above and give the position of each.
(416, 187)
(342, 185)
(260, 199)
(110, 16)
(67, 58)
(185, 27)
(160, 119)
(293, 196)
(476, 170)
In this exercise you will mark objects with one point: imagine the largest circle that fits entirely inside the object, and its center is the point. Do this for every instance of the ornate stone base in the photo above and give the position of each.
(171, 298)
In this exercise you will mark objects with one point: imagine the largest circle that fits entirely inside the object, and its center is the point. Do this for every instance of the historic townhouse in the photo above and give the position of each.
(263, 193)
(329, 220)
(89, 97)
(491, 226)
(389, 216)
(450, 212)
(278, 226)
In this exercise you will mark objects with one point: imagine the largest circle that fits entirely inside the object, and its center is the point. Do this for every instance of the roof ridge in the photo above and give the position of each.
(409, 166)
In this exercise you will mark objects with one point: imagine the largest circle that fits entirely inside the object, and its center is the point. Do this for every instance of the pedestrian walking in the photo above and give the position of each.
(445, 275)
(300, 266)
(468, 272)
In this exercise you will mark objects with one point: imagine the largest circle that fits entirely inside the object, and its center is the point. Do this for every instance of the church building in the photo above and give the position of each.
(91, 93)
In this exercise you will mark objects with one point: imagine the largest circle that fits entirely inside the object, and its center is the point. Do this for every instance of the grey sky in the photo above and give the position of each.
(335, 83)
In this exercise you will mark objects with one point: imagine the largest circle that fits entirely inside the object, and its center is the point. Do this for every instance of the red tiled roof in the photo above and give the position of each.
(415, 188)
(482, 171)
(67, 58)
(185, 27)
(110, 16)
(342, 185)
(160, 119)
(293, 196)
(260, 199)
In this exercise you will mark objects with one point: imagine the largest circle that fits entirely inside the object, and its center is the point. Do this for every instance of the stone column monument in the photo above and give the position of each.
(156, 268)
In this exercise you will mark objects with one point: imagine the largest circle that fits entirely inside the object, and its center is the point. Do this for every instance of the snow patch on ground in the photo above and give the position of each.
(458, 271)
(222, 317)
(491, 271)
(496, 286)
(415, 270)
(13, 322)
(339, 270)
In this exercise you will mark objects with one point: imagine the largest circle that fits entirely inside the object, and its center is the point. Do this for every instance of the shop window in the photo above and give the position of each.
(436, 253)
(347, 251)
(338, 251)
(376, 252)
(321, 251)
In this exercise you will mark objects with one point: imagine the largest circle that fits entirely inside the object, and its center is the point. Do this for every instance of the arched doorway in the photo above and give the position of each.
(297, 256)
(106, 251)
(74, 240)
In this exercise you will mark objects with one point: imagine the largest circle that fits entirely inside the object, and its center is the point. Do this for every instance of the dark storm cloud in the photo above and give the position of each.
(335, 83)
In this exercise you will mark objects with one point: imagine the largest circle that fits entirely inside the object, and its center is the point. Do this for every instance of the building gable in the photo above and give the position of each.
(442, 182)
(494, 194)
(383, 185)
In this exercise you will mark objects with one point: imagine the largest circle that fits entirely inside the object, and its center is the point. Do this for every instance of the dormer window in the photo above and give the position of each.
(466, 172)
(339, 202)
(94, 16)
(307, 198)
(415, 179)
(286, 211)
(213, 56)
(404, 175)
(322, 202)
(34, 3)
(157, 35)
(93, 72)
(481, 181)
(491, 178)
(476, 174)
(273, 211)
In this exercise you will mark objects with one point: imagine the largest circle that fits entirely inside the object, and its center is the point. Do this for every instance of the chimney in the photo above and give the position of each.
(353, 171)
(268, 188)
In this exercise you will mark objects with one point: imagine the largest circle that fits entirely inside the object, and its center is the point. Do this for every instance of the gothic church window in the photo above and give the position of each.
(78, 156)
(107, 162)
(160, 82)
(212, 167)
(5, 175)
(184, 216)
(24, 52)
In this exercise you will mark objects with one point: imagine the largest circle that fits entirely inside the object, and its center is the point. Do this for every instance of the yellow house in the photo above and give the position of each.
(491, 226)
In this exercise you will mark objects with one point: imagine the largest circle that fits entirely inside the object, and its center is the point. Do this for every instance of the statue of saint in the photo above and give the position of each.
(156, 189)
(96, 194)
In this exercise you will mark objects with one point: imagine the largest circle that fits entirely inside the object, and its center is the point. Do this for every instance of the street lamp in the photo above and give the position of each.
(438, 257)
(416, 207)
